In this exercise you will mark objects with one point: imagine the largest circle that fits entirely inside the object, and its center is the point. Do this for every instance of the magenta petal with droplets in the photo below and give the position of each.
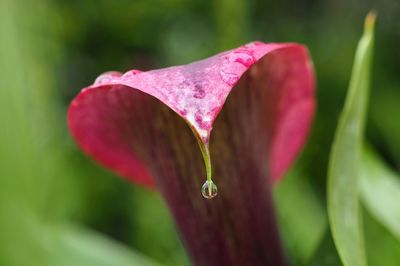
(197, 93)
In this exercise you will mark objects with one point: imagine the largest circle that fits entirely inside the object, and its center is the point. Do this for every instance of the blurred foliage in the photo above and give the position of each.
(58, 208)
(301, 216)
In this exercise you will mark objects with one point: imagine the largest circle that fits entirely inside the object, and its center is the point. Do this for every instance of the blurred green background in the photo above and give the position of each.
(57, 207)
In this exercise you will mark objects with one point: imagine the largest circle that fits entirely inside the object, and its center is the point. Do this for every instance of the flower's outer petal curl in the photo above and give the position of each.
(197, 93)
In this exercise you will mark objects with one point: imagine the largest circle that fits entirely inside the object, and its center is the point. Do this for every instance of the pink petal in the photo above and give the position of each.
(197, 93)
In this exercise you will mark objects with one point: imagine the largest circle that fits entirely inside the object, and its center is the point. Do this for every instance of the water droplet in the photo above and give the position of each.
(107, 77)
(244, 57)
(229, 78)
(209, 190)
(131, 73)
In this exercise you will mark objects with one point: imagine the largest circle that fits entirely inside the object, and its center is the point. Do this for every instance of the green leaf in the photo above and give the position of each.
(344, 165)
(82, 247)
(326, 254)
(380, 188)
(301, 216)
(26, 156)
(383, 249)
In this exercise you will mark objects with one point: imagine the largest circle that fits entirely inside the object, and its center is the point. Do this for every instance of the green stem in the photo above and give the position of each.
(206, 157)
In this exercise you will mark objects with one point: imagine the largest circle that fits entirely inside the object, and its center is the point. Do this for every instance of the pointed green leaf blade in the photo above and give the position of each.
(343, 173)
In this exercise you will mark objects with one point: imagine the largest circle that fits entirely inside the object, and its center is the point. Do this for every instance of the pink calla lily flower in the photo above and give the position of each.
(250, 107)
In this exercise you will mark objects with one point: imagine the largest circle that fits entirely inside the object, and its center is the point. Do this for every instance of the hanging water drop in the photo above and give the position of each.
(209, 190)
